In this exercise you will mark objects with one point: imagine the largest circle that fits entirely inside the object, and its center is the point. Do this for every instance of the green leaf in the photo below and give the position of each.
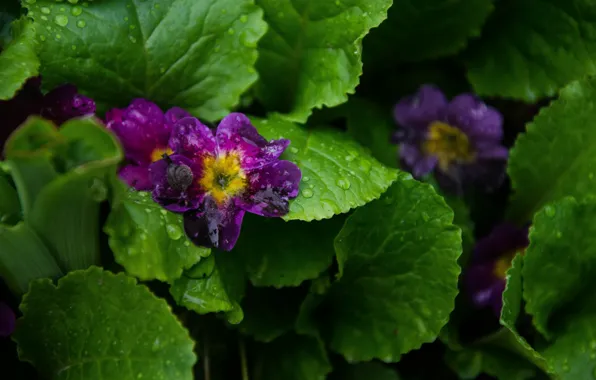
(10, 207)
(424, 29)
(24, 257)
(546, 44)
(118, 50)
(286, 258)
(97, 325)
(398, 274)
(291, 357)
(18, 61)
(270, 313)
(372, 370)
(213, 285)
(148, 241)
(372, 126)
(337, 173)
(310, 56)
(554, 158)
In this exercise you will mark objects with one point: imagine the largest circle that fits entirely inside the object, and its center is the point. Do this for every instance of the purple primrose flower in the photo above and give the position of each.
(460, 140)
(7, 320)
(492, 257)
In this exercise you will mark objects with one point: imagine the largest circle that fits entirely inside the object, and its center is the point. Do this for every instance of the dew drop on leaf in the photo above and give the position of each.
(73, 1)
(81, 23)
(306, 179)
(61, 20)
(243, 18)
(307, 193)
(293, 150)
(45, 10)
(550, 211)
(75, 11)
(174, 232)
(343, 183)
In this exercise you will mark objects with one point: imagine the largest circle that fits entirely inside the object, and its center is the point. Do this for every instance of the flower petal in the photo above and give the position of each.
(170, 195)
(503, 239)
(174, 114)
(271, 187)
(136, 177)
(235, 132)
(192, 138)
(7, 320)
(419, 110)
(64, 103)
(477, 120)
(214, 227)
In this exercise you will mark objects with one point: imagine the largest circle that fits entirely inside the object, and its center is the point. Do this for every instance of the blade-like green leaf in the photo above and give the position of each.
(18, 61)
(198, 55)
(546, 44)
(97, 325)
(293, 252)
(24, 257)
(10, 206)
(555, 157)
(310, 56)
(337, 173)
(398, 274)
(148, 241)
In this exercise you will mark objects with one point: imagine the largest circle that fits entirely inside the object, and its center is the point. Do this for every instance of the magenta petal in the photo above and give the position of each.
(235, 132)
(192, 138)
(214, 227)
(174, 114)
(7, 320)
(136, 177)
(166, 193)
(271, 188)
(64, 103)
(475, 118)
(421, 109)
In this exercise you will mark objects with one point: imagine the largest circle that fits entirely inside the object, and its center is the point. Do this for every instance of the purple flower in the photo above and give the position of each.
(460, 140)
(64, 103)
(7, 320)
(144, 132)
(492, 257)
(215, 178)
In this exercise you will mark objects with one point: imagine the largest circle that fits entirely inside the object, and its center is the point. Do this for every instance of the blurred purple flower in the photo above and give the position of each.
(486, 275)
(459, 140)
(7, 320)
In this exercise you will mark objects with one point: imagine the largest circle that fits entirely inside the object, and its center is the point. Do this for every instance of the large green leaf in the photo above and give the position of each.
(555, 157)
(97, 325)
(310, 57)
(291, 357)
(198, 55)
(337, 173)
(24, 257)
(546, 44)
(213, 285)
(18, 61)
(423, 29)
(148, 241)
(398, 274)
(10, 206)
(278, 253)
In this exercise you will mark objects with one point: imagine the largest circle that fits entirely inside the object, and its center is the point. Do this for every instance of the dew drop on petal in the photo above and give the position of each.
(307, 193)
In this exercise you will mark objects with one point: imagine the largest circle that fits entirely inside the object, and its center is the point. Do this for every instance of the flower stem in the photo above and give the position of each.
(243, 361)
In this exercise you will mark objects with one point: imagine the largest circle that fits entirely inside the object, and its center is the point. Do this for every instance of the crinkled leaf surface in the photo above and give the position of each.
(424, 29)
(119, 50)
(555, 157)
(310, 56)
(291, 357)
(18, 61)
(148, 241)
(337, 173)
(398, 264)
(214, 285)
(546, 44)
(279, 253)
(97, 325)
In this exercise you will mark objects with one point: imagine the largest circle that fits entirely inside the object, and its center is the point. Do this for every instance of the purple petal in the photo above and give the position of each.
(214, 227)
(140, 128)
(271, 187)
(7, 320)
(191, 138)
(424, 166)
(136, 177)
(492, 151)
(235, 132)
(484, 288)
(475, 118)
(503, 239)
(415, 161)
(421, 109)
(174, 114)
(167, 190)
(64, 103)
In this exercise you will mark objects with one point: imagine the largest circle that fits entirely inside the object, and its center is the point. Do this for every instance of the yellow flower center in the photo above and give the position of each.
(158, 153)
(504, 263)
(448, 144)
(222, 176)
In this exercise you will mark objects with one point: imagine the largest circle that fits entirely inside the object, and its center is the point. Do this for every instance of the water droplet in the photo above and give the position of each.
(174, 232)
(75, 11)
(58, 36)
(231, 31)
(73, 1)
(365, 165)
(558, 234)
(73, 47)
(224, 11)
(425, 217)
(30, 1)
(148, 210)
(143, 236)
(125, 18)
(307, 193)
(98, 189)
(45, 10)
(156, 5)
(162, 70)
(140, 375)
(550, 211)
(349, 158)
(163, 212)
(61, 20)
(132, 39)
(293, 150)
(243, 18)
(186, 244)
(62, 9)
(44, 18)
(591, 176)
(81, 23)
(343, 183)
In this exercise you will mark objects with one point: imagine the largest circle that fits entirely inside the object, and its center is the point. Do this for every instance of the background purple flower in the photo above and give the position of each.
(459, 140)
(486, 275)
(7, 320)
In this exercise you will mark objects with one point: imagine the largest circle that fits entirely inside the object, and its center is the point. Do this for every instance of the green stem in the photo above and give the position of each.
(243, 361)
